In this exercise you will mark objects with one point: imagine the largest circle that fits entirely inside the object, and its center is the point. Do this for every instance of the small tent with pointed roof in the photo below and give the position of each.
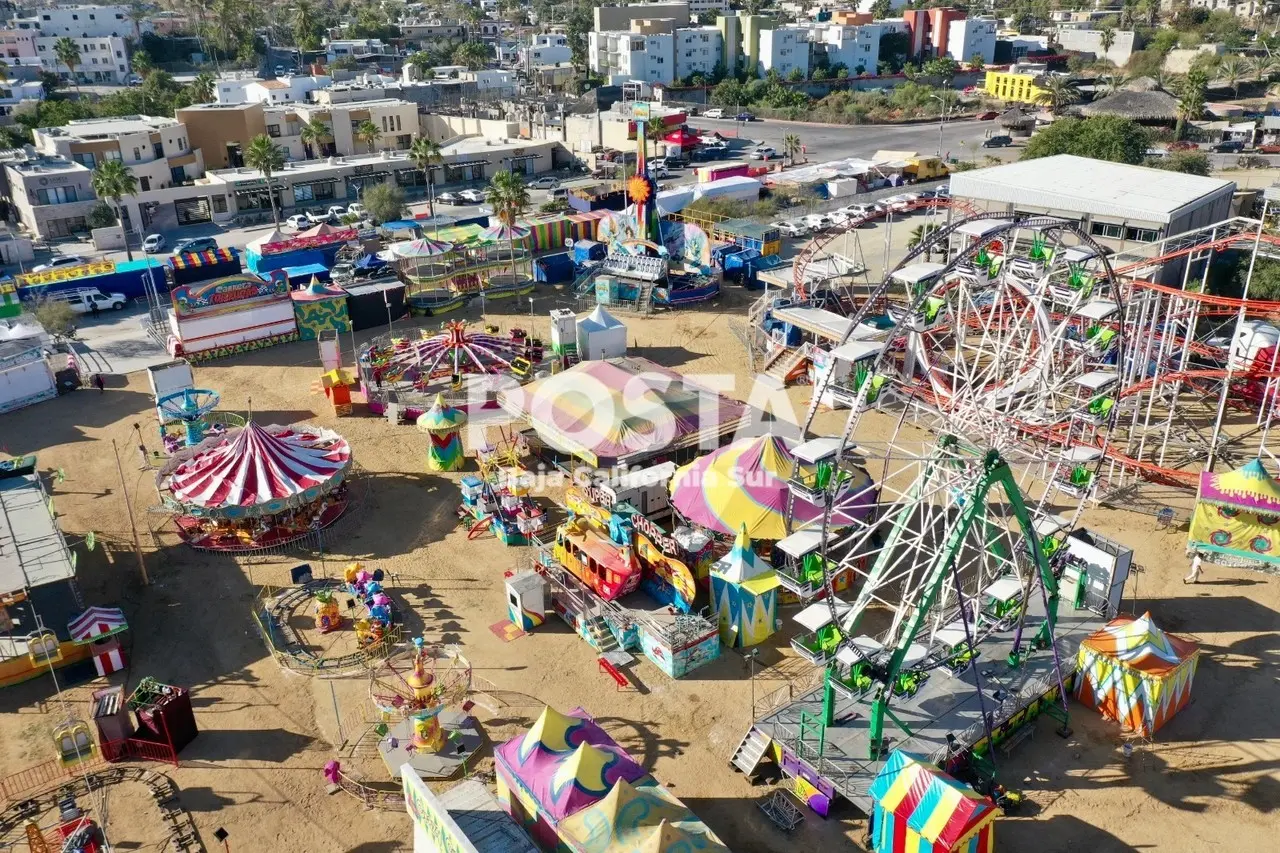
(1136, 674)
(744, 589)
(601, 335)
(1237, 516)
(443, 423)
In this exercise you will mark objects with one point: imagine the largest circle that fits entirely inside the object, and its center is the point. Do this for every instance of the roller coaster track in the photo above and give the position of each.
(183, 834)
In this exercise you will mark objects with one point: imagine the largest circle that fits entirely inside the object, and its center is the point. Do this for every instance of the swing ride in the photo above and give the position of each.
(969, 605)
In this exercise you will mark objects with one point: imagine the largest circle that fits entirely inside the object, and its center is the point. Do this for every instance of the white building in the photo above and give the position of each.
(83, 22)
(155, 149)
(357, 48)
(720, 7)
(546, 49)
(972, 37)
(283, 90)
(102, 58)
(697, 50)
(784, 49)
(855, 47)
(619, 56)
(1080, 39)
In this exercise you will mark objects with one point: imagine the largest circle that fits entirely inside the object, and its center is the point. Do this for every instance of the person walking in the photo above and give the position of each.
(93, 307)
(99, 383)
(1195, 570)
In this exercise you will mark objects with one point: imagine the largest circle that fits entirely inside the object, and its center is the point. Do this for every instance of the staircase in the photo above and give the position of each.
(750, 753)
(781, 365)
(597, 633)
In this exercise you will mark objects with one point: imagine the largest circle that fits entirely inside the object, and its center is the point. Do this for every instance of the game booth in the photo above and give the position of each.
(574, 788)
(193, 267)
(276, 251)
(1237, 517)
(1134, 673)
(256, 487)
(919, 808)
(320, 307)
(229, 316)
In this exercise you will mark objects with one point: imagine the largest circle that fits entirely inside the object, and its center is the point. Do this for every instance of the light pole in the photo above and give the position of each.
(942, 115)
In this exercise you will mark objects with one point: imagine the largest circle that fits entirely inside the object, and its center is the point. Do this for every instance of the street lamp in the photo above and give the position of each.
(942, 115)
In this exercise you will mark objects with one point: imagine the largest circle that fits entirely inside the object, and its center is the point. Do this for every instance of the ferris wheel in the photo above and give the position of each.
(1007, 353)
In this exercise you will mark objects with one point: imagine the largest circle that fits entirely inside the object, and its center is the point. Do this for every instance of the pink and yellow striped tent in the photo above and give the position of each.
(920, 809)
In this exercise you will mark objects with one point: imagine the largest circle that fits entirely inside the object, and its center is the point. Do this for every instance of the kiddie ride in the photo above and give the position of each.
(500, 499)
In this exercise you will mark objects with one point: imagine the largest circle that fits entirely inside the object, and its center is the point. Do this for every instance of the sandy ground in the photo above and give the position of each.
(1211, 780)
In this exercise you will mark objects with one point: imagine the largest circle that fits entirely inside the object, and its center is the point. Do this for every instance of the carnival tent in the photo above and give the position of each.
(920, 809)
(601, 335)
(257, 470)
(1136, 674)
(744, 590)
(1237, 515)
(96, 623)
(745, 483)
(622, 410)
(565, 762)
(442, 423)
(638, 818)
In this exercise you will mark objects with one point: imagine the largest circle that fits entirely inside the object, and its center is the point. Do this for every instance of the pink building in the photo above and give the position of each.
(927, 30)
(18, 44)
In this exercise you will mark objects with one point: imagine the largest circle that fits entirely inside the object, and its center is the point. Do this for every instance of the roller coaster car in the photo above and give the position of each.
(521, 367)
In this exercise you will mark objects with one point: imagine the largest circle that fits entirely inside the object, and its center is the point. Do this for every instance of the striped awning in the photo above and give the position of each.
(96, 623)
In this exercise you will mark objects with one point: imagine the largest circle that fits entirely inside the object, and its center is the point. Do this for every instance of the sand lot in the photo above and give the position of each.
(1210, 781)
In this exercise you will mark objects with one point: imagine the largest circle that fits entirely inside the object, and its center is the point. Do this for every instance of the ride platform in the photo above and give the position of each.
(837, 761)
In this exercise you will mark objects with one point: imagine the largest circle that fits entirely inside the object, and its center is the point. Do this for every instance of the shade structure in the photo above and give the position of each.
(273, 236)
(443, 423)
(422, 248)
(503, 231)
(745, 483)
(601, 335)
(565, 762)
(920, 809)
(744, 589)
(324, 229)
(1237, 515)
(638, 818)
(1136, 674)
(257, 471)
(95, 624)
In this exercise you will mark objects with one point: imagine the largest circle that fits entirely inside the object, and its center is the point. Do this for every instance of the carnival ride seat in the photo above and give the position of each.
(1100, 407)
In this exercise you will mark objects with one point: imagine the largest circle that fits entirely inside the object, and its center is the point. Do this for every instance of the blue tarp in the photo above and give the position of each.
(588, 250)
(553, 269)
(264, 264)
(399, 225)
(307, 271)
(370, 262)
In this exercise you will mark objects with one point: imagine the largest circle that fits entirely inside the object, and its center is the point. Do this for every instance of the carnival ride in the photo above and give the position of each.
(492, 263)
(1000, 354)
(186, 416)
(466, 363)
(416, 686)
(1201, 386)
(255, 487)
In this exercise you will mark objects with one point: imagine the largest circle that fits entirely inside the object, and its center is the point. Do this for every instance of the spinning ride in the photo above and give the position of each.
(1001, 354)
(255, 487)
(418, 685)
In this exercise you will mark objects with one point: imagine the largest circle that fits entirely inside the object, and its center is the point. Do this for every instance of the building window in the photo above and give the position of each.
(1141, 235)
(111, 155)
(1106, 229)
(303, 192)
(137, 155)
(144, 184)
(85, 159)
(56, 195)
(273, 130)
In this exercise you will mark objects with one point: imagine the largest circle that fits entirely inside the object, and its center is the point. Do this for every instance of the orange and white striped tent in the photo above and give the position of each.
(1136, 674)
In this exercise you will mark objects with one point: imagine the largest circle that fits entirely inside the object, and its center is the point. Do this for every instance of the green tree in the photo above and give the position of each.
(1106, 38)
(920, 234)
(1187, 162)
(730, 93)
(67, 52)
(202, 88)
(1057, 92)
(56, 316)
(944, 68)
(112, 181)
(791, 147)
(1263, 67)
(881, 10)
(473, 54)
(894, 48)
(509, 198)
(137, 13)
(578, 24)
(384, 203)
(306, 29)
(313, 135)
(268, 158)
(1191, 100)
(142, 64)
(423, 62)
(368, 133)
(976, 62)
(425, 153)
(796, 75)
(101, 216)
(345, 63)
(1113, 138)
(1231, 70)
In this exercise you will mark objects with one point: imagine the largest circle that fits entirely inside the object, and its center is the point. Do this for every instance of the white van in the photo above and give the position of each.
(82, 300)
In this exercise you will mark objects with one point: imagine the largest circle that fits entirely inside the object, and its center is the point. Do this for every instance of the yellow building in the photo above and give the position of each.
(1013, 88)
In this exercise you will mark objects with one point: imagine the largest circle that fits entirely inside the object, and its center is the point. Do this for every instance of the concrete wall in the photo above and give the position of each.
(1090, 41)
(620, 17)
(441, 128)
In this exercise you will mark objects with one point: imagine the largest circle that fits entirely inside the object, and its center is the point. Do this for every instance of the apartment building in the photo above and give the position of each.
(619, 18)
(785, 50)
(698, 50)
(419, 32)
(857, 48)
(928, 30)
(156, 150)
(357, 48)
(82, 22)
(103, 59)
(284, 90)
(702, 7)
(51, 196)
(972, 37)
(18, 45)
(632, 55)
(546, 49)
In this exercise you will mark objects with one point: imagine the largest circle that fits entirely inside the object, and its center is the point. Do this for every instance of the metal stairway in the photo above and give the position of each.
(750, 752)
(782, 364)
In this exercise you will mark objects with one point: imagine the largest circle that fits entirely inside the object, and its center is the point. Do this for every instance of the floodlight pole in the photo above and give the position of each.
(128, 506)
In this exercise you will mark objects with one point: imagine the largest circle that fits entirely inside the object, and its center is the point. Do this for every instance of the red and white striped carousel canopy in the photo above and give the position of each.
(258, 465)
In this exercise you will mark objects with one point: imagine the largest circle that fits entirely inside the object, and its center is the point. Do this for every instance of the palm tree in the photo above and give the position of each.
(1113, 83)
(137, 13)
(1262, 67)
(112, 181)
(68, 53)
(203, 87)
(473, 54)
(919, 234)
(1191, 97)
(4, 71)
(423, 62)
(313, 135)
(368, 133)
(268, 158)
(304, 25)
(791, 147)
(141, 62)
(509, 198)
(1106, 38)
(1231, 69)
(1056, 93)
(425, 153)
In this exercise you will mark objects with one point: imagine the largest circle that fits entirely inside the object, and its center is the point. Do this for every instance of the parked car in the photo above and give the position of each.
(83, 300)
(153, 243)
(471, 196)
(792, 228)
(1000, 141)
(902, 203)
(448, 198)
(744, 117)
(279, 69)
(714, 112)
(763, 152)
(355, 209)
(1229, 146)
(546, 182)
(318, 217)
(298, 221)
(988, 115)
(1269, 149)
(61, 261)
(659, 170)
(818, 221)
(196, 244)
(857, 211)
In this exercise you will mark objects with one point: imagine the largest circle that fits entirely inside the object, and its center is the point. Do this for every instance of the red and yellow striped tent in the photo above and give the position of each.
(920, 809)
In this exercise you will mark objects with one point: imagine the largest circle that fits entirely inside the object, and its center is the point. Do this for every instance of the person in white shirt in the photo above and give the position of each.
(1195, 570)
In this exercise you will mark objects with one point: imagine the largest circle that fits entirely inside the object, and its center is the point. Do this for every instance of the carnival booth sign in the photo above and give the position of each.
(231, 315)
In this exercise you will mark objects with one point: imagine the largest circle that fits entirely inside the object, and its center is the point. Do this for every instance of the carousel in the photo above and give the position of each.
(256, 487)
(469, 261)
